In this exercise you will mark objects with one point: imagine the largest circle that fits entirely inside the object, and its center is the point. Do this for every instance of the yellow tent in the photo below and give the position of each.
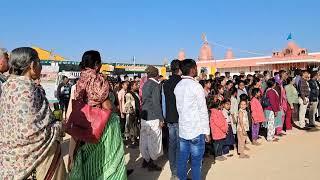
(163, 71)
(213, 70)
(106, 67)
(47, 55)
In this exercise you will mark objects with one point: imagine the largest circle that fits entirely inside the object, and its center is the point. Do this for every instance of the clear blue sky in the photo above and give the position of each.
(156, 29)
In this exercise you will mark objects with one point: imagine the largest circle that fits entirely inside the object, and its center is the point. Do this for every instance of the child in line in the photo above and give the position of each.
(242, 128)
(257, 115)
(246, 98)
(219, 129)
(230, 141)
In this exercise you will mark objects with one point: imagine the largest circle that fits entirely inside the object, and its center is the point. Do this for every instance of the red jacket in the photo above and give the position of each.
(257, 113)
(218, 124)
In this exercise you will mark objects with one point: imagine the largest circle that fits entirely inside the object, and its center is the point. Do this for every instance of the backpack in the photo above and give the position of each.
(265, 102)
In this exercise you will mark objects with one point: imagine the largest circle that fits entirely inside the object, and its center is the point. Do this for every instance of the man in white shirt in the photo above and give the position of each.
(194, 127)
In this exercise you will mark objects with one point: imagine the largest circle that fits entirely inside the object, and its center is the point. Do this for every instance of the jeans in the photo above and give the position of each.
(218, 146)
(295, 113)
(193, 148)
(173, 147)
(312, 112)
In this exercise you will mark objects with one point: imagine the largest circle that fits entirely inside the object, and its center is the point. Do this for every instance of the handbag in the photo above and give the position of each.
(86, 123)
(265, 102)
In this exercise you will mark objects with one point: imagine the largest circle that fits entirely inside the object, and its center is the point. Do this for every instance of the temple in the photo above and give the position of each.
(291, 57)
(181, 55)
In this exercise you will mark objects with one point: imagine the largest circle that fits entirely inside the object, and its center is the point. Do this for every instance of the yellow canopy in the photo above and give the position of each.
(48, 55)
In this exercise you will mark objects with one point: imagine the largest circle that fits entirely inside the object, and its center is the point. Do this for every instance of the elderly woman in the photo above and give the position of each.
(29, 135)
(104, 160)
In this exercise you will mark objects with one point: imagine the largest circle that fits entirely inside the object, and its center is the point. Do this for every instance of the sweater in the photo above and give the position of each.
(218, 124)
(257, 113)
(151, 101)
(314, 91)
(274, 99)
(172, 115)
(292, 94)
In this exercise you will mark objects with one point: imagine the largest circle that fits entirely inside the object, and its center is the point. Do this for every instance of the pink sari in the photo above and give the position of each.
(283, 106)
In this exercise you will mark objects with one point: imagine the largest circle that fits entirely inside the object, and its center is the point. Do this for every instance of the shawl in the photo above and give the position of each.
(92, 87)
(283, 96)
(3, 78)
(27, 128)
(143, 80)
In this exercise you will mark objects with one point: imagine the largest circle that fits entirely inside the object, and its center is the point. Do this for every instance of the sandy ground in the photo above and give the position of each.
(294, 157)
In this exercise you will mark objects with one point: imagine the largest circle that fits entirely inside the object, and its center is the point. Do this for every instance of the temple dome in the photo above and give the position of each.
(293, 46)
(205, 52)
(181, 55)
(292, 49)
(229, 54)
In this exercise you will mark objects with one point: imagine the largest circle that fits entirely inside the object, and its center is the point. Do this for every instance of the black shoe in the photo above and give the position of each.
(129, 172)
(144, 164)
(153, 167)
(306, 128)
(311, 126)
(133, 146)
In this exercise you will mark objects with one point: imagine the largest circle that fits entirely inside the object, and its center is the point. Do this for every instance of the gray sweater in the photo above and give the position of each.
(151, 101)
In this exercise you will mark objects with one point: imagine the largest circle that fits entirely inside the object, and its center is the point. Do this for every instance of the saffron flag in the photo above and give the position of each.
(289, 37)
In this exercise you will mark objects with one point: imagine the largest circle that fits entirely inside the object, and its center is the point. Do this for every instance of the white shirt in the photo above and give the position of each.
(158, 82)
(192, 109)
(227, 115)
(234, 106)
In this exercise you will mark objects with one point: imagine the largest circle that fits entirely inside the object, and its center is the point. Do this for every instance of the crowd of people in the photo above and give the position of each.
(183, 115)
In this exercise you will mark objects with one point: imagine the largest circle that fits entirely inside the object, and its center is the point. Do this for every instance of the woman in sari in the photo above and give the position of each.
(29, 136)
(104, 160)
(272, 112)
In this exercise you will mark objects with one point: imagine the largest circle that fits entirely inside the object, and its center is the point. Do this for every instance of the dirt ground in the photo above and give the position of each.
(294, 157)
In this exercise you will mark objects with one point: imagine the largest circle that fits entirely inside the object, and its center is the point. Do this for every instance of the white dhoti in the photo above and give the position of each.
(150, 139)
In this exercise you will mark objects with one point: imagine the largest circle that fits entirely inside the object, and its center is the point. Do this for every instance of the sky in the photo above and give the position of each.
(155, 30)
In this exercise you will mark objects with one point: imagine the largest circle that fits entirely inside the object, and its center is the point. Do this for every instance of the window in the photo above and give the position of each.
(288, 52)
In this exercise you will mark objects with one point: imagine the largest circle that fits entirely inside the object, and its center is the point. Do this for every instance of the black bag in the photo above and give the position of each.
(265, 102)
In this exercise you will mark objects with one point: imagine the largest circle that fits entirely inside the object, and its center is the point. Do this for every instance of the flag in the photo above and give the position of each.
(289, 37)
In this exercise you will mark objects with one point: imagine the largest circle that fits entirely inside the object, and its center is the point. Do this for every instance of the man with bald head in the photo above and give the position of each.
(4, 66)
